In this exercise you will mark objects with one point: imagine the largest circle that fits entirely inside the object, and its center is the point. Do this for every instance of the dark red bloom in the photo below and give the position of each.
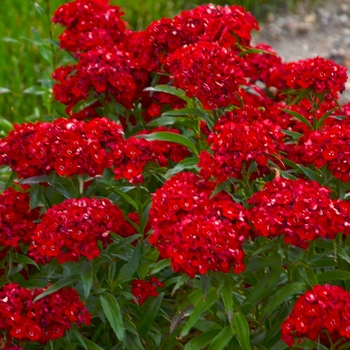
(328, 147)
(264, 67)
(318, 74)
(89, 24)
(70, 147)
(299, 210)
(198, 233)
(73, 229)
(48, 318)
(207, 71)
(135, 153)
(17, 220)
(324, 308)
(142, 289)
(225, 25)
(236, 142)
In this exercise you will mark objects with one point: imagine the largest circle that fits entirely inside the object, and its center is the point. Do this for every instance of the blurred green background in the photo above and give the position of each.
(28, 55)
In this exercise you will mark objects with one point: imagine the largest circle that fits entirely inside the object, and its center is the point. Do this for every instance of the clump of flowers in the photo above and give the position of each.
(73, 229)
(136, 153)
(47, 318)
(264, 66)
(207, 71)
(318, 74)
(198, 233)
(328, 147)
(225, 25)
(142, 289)
(70, 147)
(89, 24)
(323, 309)
(17, 220)
(237, 142)
(299, 210)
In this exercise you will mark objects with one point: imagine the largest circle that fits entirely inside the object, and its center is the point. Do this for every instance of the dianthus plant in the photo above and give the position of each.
(195, 195)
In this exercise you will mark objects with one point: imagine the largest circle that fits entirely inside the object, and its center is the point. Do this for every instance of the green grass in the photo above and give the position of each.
(27, 57)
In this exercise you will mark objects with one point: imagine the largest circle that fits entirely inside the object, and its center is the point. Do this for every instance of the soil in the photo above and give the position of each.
(323, 30)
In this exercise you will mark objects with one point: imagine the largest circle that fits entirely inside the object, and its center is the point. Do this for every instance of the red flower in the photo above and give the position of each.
(90, 24)
(237, 142)
(70, 147)
(135, 153)
(328, 147)
(225, 25)
(40, 321)
(318, 74)
(142, 289)
(333, 315)
(198, 233)
(207, 71)
(299, 210)
(16, 219)
(72, 229)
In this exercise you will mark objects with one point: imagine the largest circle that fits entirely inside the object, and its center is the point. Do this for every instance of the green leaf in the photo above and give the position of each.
(4, 90)
(81, 105)
(261, 290)
(187, 163)
(184, 111)
(241, 330)
(127, 271)
(22, 259)
(125, 196)
(35, 90)
(293, 134)
(86, 276)
(86, 343)
(206, 284)
(163, 120)
(5, 125)
(148, 317)
(298, 116)
(281, 296)
(169, 90)
(201, 341)
(36, 192)
(159, 266)
(327, 276)
(170, 137)
(111, 309)
(227, 298)
(199, 308)
(58, 285)
(308, 172)
(322, 119)
(222, 339)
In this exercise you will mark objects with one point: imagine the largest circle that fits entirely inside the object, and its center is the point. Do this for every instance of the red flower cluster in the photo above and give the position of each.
(16, 219)
(90, 24)
(299, 210)
(318, 74)
(48, 318)
(111, 69)
(142, 289)
(264, 67)
(324, 308)
(207, 71)
(329, 147)
(70, 147)
(73, 228)
(198, 233)
(137, 153)
(223, 24)
(236, 142)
